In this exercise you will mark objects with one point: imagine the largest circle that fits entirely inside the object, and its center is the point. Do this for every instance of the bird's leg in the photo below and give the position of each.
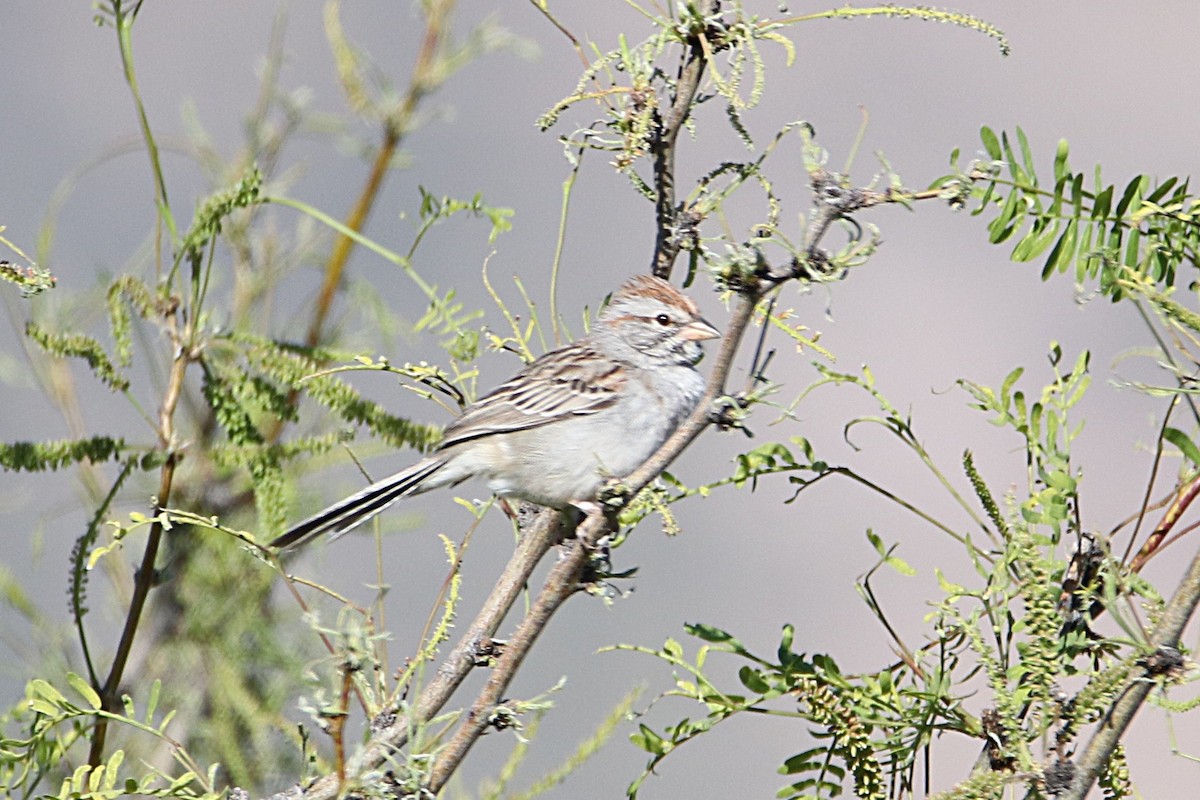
(611, 498)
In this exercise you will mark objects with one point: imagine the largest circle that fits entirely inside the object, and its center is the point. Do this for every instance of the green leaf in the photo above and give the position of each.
(112, 768)
(990, 143)
(1063, 254)
(1026, 155)
(1007, 222)
(672, 649)
(784, 651)
(895, 562)
(43, 707)
(1061, 481)
(84, 688)
(753, 680)
(1131, 194)
(802, 762)
(1102, 204)
(94, 780)
(715, 635)
(1061, 168)
(1034, 243)
(950, 588)
(79, 776)
(901, 566)
(42, 689)
(1185, 445)
(1010, 380)
(649, 741)
(152, 701)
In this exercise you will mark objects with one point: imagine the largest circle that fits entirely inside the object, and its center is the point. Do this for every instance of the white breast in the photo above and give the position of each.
(569, 460)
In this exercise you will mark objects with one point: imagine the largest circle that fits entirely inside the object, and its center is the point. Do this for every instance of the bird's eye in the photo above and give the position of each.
(663, 319)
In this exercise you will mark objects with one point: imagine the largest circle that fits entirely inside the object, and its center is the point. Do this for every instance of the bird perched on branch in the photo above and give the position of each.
(554, 433)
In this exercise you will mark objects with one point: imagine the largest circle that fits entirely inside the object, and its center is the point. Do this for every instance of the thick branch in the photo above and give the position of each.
(536, 540)
(1112, 728)
(564, 580)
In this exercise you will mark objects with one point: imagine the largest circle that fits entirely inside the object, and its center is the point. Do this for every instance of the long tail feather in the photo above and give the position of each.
(361, 506)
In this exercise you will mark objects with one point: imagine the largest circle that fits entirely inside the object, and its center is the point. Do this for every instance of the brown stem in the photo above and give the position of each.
(666, 245)
(562, 582)
(145, 578)
(1183, 499)
(355, 220)
(338, 727)
(396, 126)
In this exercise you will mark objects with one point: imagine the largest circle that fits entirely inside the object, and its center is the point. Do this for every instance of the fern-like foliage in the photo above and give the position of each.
(207, 222)
(1077, 222)
(1047, 432)
(31, 280)
(80, 572)
(125, 293)
(78, 345)
(1114, 779)
(41, 456)
(913, 12)
(856, 717)
(300, 367)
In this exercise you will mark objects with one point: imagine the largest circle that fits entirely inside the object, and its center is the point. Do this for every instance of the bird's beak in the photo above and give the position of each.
(698, 330)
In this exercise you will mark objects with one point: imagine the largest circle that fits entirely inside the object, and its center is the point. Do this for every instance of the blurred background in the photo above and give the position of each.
(936, 304)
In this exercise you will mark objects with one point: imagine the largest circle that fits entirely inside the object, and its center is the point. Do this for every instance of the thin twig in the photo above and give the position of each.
(1183, 498)
(146, 575)
(395, 126)
(1154, 465)
(666, 245)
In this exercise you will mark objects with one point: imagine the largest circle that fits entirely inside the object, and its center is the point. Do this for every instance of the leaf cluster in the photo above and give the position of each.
(1077, 222)
(53, 721)
(858, 717)
(1024, 626)
(219, 383)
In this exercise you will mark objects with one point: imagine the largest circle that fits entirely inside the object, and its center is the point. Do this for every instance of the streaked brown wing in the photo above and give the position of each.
(572, 381)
